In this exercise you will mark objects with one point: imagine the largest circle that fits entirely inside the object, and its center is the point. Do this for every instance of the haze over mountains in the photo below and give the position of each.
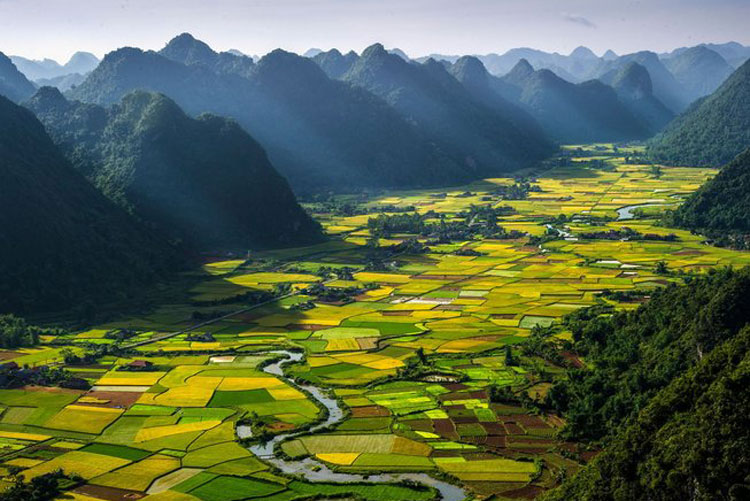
(345, 122)
(713, 130)
(697, 73)
(204, 181)
(318, 131)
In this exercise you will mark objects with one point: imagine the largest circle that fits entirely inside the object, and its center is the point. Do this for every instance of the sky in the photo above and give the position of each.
(58, 28)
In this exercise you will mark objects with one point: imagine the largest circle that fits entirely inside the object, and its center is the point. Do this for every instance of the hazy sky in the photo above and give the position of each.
(57, 28)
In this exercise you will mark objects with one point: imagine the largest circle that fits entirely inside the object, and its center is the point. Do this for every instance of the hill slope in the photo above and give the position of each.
(204, 181)
(319, 132)
(713, 131)
(699, 70)
(721, 207)
(61, 241)
(573, 113)
(13, 84)
(632, 83)
(485, 140)
(669, 386)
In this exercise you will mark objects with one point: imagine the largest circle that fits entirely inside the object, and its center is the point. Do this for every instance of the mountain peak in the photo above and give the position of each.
(633, 79)
(186, 49)
(520, 72)
(313, 52)
(468, 68)
(582, 52)
(610, 55)
(13, 84)
(47, 99)
(374, 50)
(399, 53)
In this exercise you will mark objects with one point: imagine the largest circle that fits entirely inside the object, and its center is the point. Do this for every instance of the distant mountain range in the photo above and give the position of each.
(80, 63)
(488, 140)
(319, 131)
(713, 130)
(204, 181)
(13, 84)
(62, 242)
(677, 79)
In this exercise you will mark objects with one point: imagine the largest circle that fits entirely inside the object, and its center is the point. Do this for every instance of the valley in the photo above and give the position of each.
(433, 320)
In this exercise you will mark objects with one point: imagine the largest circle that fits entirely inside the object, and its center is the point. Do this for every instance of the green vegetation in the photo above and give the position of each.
(201, 181)
(720, 209)
(504, 362)
(636, 354)
(713, 130)
(83, 249)
(677, 411)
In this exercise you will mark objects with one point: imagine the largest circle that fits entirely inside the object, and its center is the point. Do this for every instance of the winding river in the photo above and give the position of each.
(625, 213)
(315, 471)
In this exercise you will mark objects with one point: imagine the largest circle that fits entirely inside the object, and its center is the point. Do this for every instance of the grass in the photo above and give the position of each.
(117, 451)
(226, 488)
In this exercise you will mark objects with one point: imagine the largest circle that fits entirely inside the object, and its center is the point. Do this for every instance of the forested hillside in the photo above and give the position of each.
(713, 130)
(720, 209)
(62, 243)
(319, 132)
(668, 390)
(201, 181)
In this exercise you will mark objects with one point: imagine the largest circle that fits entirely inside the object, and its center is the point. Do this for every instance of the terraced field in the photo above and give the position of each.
(412, 339)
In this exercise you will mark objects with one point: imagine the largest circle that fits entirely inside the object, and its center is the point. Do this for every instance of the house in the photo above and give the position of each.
(137, 365)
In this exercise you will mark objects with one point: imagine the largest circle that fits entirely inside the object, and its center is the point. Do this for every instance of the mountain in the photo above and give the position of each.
(670, 385)
(733, 53)
(319, 132)
(13, 84)
(80, 62)
(486, 141)
(632, 83)
(399, 53)
(666, 88)
(721, 207)
(573, 113)
(203, 181)
(61, 241)
(186, 50)
(572, 69)
(713, 131)
(489, 90)
(63, 83)
(312, 52)
(699, 70)
(335, 64)
(609, 55)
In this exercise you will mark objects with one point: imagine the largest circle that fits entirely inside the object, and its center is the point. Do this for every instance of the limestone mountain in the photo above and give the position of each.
(334, 63)
(202, 181)
(585, 112)
(632, 83)
(13, 84)
(319, 132)
(61, 241)
(699, 70)
(721, 207)
(713, 130)
(485, 140)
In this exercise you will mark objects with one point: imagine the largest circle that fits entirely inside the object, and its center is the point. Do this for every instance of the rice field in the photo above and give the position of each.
(167, 431)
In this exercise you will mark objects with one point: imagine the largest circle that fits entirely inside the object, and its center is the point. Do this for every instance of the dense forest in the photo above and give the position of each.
(61, 241)
(713, 130)
(201, 181)
(667, 391)
(720, 209)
